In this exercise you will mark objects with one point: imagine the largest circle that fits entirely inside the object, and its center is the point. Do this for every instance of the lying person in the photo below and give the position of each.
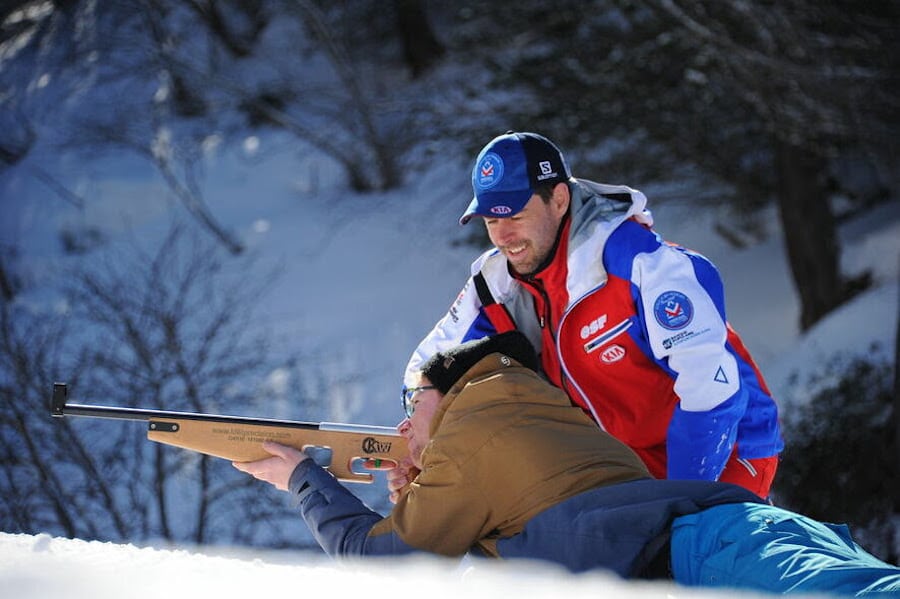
(509, 468)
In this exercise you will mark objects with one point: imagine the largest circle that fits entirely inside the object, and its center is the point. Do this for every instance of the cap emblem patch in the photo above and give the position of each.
(489, 171)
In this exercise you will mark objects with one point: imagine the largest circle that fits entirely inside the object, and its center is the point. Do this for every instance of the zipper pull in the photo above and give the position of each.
(543, 322)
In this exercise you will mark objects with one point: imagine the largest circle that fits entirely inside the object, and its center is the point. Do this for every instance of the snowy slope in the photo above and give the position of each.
(42, 567)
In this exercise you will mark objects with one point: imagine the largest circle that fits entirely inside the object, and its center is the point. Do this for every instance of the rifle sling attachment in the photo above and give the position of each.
(163, 427)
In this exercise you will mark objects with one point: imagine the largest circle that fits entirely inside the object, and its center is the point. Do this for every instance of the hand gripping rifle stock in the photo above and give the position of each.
(239, 438)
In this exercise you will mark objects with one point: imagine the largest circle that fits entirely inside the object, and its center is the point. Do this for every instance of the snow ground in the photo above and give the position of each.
(42, 567)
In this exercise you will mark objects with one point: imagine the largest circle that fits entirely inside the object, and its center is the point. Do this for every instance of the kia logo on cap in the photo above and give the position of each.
(501, 210)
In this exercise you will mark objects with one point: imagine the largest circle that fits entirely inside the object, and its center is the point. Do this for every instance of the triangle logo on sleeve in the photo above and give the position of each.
(720, 376)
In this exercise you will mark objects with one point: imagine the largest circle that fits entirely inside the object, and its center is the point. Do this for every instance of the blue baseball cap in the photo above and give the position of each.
(508, 170)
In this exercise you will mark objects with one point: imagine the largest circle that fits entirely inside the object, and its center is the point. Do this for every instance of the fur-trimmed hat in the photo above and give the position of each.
(443, 369)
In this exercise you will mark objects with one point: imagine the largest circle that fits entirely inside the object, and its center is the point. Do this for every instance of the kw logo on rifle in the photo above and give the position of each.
(373, 445)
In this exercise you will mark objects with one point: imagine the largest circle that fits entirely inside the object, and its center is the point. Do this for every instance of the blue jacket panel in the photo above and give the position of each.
(618, 527)
(775, 550)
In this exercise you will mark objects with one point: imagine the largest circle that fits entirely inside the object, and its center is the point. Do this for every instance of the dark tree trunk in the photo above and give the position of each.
(809, 232)
(420, 46)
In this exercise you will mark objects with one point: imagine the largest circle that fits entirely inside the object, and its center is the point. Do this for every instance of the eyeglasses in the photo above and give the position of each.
(406, 398)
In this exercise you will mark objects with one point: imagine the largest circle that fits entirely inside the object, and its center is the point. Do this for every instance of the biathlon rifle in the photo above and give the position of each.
(239, 438)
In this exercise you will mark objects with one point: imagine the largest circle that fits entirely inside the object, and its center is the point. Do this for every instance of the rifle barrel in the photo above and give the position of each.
(59, 408)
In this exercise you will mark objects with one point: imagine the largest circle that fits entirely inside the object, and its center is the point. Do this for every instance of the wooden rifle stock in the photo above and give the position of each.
(239, 438)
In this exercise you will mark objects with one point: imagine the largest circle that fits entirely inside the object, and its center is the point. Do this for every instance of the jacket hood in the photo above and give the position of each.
(594, 203)
(597, 209)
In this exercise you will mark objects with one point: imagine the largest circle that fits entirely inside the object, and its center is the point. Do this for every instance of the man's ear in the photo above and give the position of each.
(560, 199)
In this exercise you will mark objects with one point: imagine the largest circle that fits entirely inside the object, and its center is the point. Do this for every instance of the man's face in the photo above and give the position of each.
(527, 237)
(416, 428)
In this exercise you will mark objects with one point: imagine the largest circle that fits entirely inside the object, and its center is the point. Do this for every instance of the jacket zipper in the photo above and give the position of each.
(546, 322)
(562, 363)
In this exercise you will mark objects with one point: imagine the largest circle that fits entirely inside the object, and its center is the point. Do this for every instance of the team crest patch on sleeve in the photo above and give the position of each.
(673, 310)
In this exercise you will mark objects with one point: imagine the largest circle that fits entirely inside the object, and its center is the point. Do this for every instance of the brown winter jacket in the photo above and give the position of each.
(505, 445)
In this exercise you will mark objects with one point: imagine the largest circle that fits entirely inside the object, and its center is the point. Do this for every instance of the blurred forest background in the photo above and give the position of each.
(738, 105)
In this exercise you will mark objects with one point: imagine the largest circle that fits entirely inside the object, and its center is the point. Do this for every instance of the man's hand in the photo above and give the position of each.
(398, 479)
(276, 470)
(399, 475)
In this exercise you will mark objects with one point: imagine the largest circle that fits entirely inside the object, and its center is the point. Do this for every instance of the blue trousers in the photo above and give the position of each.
(762, 547)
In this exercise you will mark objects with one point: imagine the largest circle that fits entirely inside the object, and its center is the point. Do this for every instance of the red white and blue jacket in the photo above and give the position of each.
(634, 329)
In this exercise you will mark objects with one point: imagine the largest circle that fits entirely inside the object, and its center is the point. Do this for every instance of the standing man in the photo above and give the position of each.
(632, 327)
